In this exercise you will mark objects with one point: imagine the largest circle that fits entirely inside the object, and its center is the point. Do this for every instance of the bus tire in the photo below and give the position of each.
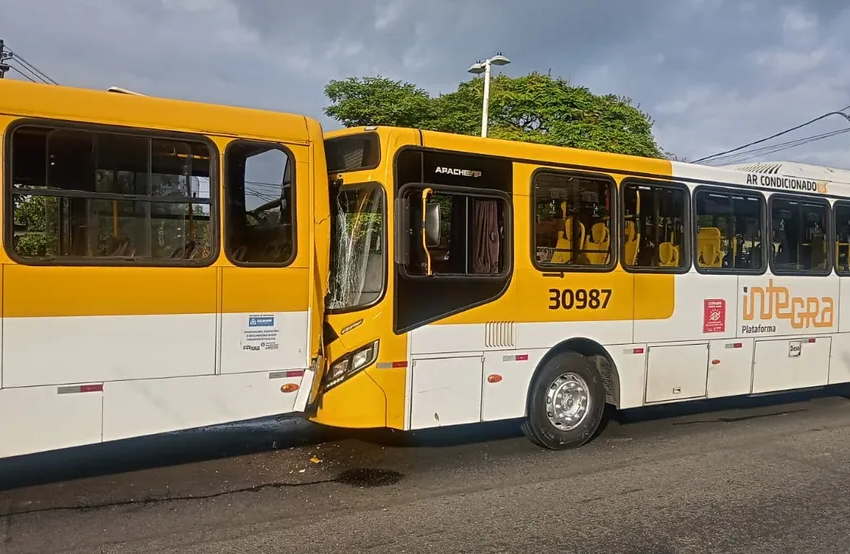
(566, 402)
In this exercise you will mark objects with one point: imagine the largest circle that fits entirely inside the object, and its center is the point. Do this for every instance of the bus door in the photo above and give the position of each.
(265, 307)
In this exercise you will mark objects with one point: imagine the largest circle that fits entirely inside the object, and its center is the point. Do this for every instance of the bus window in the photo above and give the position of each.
(798, 231)
(358, 265)
(87, 196)
(728, 231)
(472, 235)
(572, 225)
(260, 222)
(654, 231)
(353, 153)
(842, 238)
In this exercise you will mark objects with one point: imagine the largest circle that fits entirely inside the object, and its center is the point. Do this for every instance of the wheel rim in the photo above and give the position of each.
(567, 401)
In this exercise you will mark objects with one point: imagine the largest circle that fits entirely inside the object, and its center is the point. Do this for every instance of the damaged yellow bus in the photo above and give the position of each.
(168, 265)
(479, 280)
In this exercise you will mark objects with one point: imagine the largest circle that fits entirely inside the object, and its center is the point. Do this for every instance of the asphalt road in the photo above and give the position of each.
(769, 478)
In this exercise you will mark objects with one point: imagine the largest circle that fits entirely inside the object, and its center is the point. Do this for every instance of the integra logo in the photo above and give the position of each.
(458, 172)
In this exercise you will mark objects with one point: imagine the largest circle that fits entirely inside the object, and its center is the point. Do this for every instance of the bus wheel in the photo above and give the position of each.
(566, 403)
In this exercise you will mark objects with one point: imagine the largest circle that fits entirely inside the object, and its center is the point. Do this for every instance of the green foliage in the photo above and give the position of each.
(532, 108)
(36, 226)
(30, 220)
(378, 101)
(674, 158)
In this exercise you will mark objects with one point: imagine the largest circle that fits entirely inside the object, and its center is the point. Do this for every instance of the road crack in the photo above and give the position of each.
(355, 477)
(152, 501)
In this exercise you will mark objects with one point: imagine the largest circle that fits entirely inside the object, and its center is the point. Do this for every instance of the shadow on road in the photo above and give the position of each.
(441, 438)
(732, 409)
(749, 406)
(209, 443)
(368, 448)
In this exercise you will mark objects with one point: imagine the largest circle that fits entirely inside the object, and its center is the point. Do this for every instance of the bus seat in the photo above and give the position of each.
(630, 246)
(598, 244)
(121, 247)
(668, 255)
(184, 252)
(709, 250)
(842, 263)
(239, 254)
(782, 252)
(755, 255)
(818, 253)
(272, 252)
(564, 248)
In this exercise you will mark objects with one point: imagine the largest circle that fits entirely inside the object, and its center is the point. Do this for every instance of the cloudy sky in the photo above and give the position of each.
(714, 74)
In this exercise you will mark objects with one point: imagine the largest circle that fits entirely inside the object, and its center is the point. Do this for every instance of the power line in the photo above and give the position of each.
(42, 75)
(785, 132)
(749, 154)
(26, 69)
(22, 74)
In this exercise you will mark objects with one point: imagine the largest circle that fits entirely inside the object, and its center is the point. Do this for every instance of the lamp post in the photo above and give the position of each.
(484, 67)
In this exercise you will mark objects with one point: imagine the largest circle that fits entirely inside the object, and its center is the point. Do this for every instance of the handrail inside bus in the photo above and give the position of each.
(425, 193)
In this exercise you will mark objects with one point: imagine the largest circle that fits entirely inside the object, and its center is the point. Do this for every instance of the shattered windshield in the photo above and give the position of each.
(357, 271)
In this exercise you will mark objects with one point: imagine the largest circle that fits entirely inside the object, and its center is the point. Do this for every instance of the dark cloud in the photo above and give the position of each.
(712, 73)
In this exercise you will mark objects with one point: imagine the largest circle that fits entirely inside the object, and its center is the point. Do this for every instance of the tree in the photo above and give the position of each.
(378, 101)
(533, 108)
(31, 237)
(674, 158)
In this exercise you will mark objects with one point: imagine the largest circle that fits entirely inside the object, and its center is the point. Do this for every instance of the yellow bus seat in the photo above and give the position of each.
(668, 255)
(564, 248)
(598, 244)
(630, 246)
(838, 246)
(709, 249)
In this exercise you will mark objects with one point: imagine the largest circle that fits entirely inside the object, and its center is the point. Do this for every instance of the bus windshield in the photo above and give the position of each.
(357, 263)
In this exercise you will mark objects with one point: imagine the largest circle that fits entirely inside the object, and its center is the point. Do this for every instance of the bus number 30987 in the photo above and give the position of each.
(579, 299)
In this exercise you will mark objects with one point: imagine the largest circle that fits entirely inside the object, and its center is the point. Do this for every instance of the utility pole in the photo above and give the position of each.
(4, 67)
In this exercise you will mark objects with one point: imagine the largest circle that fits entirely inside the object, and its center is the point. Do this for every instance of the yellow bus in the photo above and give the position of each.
(479, 280)
(164, 265)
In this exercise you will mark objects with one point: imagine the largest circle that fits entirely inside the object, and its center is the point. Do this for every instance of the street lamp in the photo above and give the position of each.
(484, 67)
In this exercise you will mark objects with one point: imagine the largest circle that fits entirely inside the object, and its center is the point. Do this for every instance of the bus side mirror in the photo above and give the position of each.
(432, 224)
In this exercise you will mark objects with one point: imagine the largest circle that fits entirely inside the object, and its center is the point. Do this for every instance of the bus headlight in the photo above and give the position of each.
(351, 364)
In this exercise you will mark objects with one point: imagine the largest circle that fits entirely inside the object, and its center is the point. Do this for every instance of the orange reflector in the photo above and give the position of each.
(494, 378)
(289, 387)
(715, 362)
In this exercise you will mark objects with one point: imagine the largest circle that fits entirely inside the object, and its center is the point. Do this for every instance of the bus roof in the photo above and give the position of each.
(766, 176)
(18, 98)
(526, 151)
